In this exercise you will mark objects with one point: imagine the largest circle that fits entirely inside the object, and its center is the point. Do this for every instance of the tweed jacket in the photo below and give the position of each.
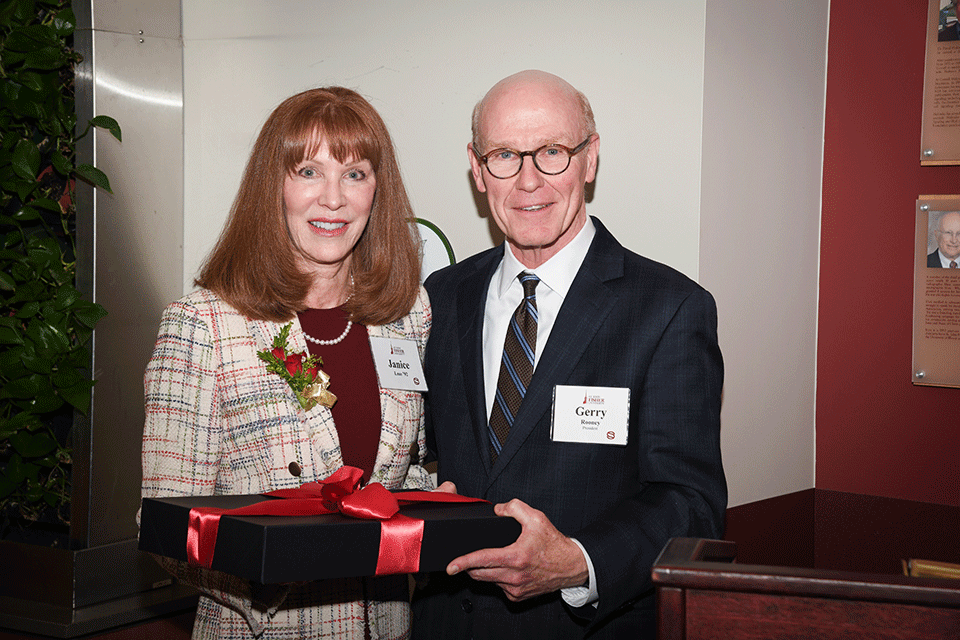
(217, 423)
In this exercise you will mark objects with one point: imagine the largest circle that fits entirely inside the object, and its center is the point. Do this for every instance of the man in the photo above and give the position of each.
(947, 254)
(594, 515)
(948, 28)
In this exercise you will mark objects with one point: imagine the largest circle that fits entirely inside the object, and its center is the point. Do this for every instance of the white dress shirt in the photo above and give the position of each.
(503, 297)
(944, 261)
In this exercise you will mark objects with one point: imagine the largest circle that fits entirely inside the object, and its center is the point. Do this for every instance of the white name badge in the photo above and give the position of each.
(398, 364)
(591, 415)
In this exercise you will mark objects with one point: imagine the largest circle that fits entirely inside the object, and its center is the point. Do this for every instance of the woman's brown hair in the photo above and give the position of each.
(254, 264)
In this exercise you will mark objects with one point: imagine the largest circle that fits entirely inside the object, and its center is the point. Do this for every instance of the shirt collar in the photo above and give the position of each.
(558, 272)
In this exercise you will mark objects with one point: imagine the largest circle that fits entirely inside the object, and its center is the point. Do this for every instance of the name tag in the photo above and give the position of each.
(591, 415)
(398, 364)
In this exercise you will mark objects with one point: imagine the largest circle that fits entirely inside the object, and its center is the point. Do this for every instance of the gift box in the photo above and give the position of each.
(276, 549)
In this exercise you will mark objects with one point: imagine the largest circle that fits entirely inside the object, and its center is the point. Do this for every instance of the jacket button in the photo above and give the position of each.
(466, 605)
(295, 469)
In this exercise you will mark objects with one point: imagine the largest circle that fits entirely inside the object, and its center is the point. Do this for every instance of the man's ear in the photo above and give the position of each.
(593, 153)
(476, 169)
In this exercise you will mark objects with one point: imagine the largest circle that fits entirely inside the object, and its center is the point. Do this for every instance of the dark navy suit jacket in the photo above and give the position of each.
(626, 322)
(933, 259)
(949, 33)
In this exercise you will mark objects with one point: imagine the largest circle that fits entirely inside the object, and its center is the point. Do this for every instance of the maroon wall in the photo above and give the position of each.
(876, 433)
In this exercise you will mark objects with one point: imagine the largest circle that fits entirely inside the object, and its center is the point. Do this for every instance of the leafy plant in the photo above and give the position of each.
(45, 324)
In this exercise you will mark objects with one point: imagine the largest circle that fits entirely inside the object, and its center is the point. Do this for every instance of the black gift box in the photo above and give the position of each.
(275, 549)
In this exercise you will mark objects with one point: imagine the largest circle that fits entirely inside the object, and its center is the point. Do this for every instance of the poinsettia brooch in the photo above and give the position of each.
(302, 373)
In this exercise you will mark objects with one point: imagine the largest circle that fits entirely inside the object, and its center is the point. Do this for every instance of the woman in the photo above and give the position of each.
(319, 237)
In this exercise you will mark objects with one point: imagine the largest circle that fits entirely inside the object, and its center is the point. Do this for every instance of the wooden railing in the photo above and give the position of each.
(703, 594)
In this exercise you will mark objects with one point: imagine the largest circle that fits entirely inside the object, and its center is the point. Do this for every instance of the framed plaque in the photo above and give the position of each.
(936, 292)
(940, 131)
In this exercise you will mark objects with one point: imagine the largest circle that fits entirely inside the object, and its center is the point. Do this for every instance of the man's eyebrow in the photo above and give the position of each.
(543, 142)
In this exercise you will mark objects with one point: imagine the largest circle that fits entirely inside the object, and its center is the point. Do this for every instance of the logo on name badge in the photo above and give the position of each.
(590, 399)
(395, 350)
(611, 435)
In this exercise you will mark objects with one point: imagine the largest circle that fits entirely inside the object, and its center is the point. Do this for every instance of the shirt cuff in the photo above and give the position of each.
(582, 596)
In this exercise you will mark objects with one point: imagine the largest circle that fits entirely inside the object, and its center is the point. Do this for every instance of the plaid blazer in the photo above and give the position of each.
(218, 424)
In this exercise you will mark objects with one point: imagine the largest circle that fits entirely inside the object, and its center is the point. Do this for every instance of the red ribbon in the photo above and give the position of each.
(400, 535)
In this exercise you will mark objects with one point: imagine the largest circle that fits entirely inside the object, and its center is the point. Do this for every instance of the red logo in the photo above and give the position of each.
(611, 435)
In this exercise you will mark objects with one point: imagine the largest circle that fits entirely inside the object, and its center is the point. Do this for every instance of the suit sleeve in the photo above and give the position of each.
(681, 490)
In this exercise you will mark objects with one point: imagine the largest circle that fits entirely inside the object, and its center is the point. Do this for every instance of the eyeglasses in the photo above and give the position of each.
(551, 159)
(953, 235)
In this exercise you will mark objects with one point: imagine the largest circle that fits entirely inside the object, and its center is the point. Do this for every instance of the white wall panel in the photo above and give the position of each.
(764, 81)
(424, 65)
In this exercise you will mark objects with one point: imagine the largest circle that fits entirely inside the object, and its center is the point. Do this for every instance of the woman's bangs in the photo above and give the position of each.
(348, 140)
(298, 146)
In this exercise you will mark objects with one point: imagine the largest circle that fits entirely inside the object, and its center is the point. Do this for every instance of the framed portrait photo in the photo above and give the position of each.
(936, 292)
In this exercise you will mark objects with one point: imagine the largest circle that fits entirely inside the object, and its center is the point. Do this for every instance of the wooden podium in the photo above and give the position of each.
(703, 593)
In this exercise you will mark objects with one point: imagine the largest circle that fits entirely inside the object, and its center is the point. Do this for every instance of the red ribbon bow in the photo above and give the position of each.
(400, 535)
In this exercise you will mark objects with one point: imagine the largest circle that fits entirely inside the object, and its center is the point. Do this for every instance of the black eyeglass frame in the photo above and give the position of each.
(533, 154)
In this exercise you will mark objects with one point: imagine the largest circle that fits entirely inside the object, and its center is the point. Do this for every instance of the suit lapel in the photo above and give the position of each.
(471, 299)
(584, 310)
(263, 332)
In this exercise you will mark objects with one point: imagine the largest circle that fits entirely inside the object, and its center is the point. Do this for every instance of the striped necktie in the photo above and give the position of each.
(516, 367)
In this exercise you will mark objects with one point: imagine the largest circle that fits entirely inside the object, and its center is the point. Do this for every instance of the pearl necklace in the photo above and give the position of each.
(336, 340)
(343, 335)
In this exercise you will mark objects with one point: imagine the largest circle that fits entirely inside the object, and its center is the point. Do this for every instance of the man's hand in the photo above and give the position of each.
(542, 560)
(447, 487)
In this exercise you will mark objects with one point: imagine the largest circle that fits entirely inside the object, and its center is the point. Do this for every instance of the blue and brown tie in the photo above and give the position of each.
(516, 367)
